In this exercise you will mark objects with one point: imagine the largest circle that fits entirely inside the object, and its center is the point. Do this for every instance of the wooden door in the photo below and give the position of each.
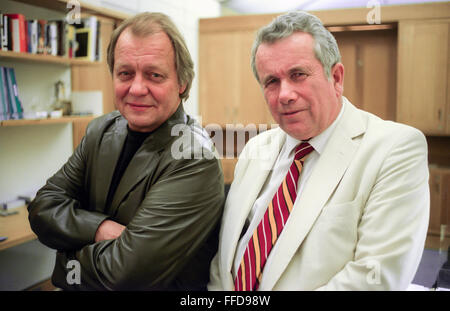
(423, 52)
(228, 91)
(370, 62)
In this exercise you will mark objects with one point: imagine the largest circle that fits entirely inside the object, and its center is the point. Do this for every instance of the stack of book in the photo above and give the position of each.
(10, 104)
(51, 37)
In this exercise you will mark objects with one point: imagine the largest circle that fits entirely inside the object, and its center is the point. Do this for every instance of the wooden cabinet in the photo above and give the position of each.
(423, 75)
(228, 91)
(439, 207)
(369, 54)
(228, 166)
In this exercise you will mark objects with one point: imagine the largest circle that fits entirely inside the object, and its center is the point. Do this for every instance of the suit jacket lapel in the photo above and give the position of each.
(324, 178)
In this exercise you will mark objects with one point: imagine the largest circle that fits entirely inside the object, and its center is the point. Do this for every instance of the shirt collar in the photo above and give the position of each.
(319, 142)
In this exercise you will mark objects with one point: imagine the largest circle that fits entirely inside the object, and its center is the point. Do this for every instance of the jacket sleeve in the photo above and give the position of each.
(392, 230)
(171, 224)
(58, 214)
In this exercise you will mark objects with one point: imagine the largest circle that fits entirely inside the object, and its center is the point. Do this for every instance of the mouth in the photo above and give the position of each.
(138, 106)
(290, 113)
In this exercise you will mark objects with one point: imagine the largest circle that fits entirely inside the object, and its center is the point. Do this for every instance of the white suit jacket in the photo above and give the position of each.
(360, 223)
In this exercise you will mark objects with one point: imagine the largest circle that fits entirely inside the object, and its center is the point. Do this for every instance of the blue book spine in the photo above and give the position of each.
(3, 98)
(17, 102)
(10, 95)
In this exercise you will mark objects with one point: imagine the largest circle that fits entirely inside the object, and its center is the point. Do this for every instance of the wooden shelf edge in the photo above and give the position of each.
(21, 122)
(17, 228)
(61, 5)
(41, 58)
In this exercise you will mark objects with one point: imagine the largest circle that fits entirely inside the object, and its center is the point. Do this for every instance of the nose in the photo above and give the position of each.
(288, 94)
(138, 86)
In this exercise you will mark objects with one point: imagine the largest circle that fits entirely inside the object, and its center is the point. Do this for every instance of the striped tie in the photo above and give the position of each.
(269, 229)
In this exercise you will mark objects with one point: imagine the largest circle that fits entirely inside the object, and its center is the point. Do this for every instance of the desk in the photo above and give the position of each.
(17, 228)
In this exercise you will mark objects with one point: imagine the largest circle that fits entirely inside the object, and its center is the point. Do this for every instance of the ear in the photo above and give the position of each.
(182, 88)
(337, 73)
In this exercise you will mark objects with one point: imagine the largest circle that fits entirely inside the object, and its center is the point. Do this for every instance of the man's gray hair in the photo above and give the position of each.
(326, 48)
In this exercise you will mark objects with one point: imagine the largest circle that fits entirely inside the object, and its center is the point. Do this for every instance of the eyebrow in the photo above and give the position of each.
(122, 66)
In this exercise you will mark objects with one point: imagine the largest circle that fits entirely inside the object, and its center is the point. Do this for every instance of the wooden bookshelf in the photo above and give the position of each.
(67, 119)
(28, 57)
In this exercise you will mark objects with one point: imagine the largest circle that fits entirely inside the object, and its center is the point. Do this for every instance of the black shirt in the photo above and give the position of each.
(132, 143)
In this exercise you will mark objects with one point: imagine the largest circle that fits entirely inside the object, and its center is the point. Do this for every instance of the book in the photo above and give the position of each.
(17, 103)
(70, 40)
(11, 104)
(52, 38)
(1, 31)
(88, 38)
(18, 32)
(32, 39)
(42, 34)
(83, 38)
(9, 94)
(4, 43)
(4, 112)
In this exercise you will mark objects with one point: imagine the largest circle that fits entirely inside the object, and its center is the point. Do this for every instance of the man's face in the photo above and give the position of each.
(302, 100)
(145, 80)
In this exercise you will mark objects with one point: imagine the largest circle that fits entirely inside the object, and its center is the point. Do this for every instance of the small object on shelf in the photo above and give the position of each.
(61, 102)
(56, 113)
(36, 115)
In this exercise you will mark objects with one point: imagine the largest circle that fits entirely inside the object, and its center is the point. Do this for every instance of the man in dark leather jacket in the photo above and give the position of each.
(136, 207)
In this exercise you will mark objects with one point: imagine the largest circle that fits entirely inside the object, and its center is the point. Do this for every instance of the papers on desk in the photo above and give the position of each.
(9, 207)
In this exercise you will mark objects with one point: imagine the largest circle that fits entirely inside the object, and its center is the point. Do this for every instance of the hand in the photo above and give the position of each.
(108, 230)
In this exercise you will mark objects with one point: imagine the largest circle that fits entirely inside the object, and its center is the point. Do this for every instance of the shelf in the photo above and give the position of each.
(45, 58)
(21, 122)
(17, 228)
(86, 8)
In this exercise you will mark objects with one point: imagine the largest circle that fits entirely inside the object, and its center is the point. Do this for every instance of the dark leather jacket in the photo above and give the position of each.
(171, 208)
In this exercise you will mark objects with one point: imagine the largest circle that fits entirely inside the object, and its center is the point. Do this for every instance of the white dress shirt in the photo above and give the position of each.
(279, 171)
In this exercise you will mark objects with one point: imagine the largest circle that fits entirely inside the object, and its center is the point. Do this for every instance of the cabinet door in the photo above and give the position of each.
(369, 78)
(228, 166)
(78, 130)
(423, 52)
(251, 107)
(218, 86)
(228, 91)
(439, 202)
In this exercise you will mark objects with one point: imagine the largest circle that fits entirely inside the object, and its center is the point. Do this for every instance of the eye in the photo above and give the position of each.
(123, 75)
(298, 75)
(269, 82)
(156, 76)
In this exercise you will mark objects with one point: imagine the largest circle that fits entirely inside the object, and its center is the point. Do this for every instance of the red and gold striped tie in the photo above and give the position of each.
(269, 229)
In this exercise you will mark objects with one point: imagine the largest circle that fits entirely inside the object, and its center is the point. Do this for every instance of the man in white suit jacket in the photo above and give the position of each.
(361, 214)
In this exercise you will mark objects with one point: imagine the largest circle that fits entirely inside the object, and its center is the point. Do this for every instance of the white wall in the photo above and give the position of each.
(185, 14)
(29, 155)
